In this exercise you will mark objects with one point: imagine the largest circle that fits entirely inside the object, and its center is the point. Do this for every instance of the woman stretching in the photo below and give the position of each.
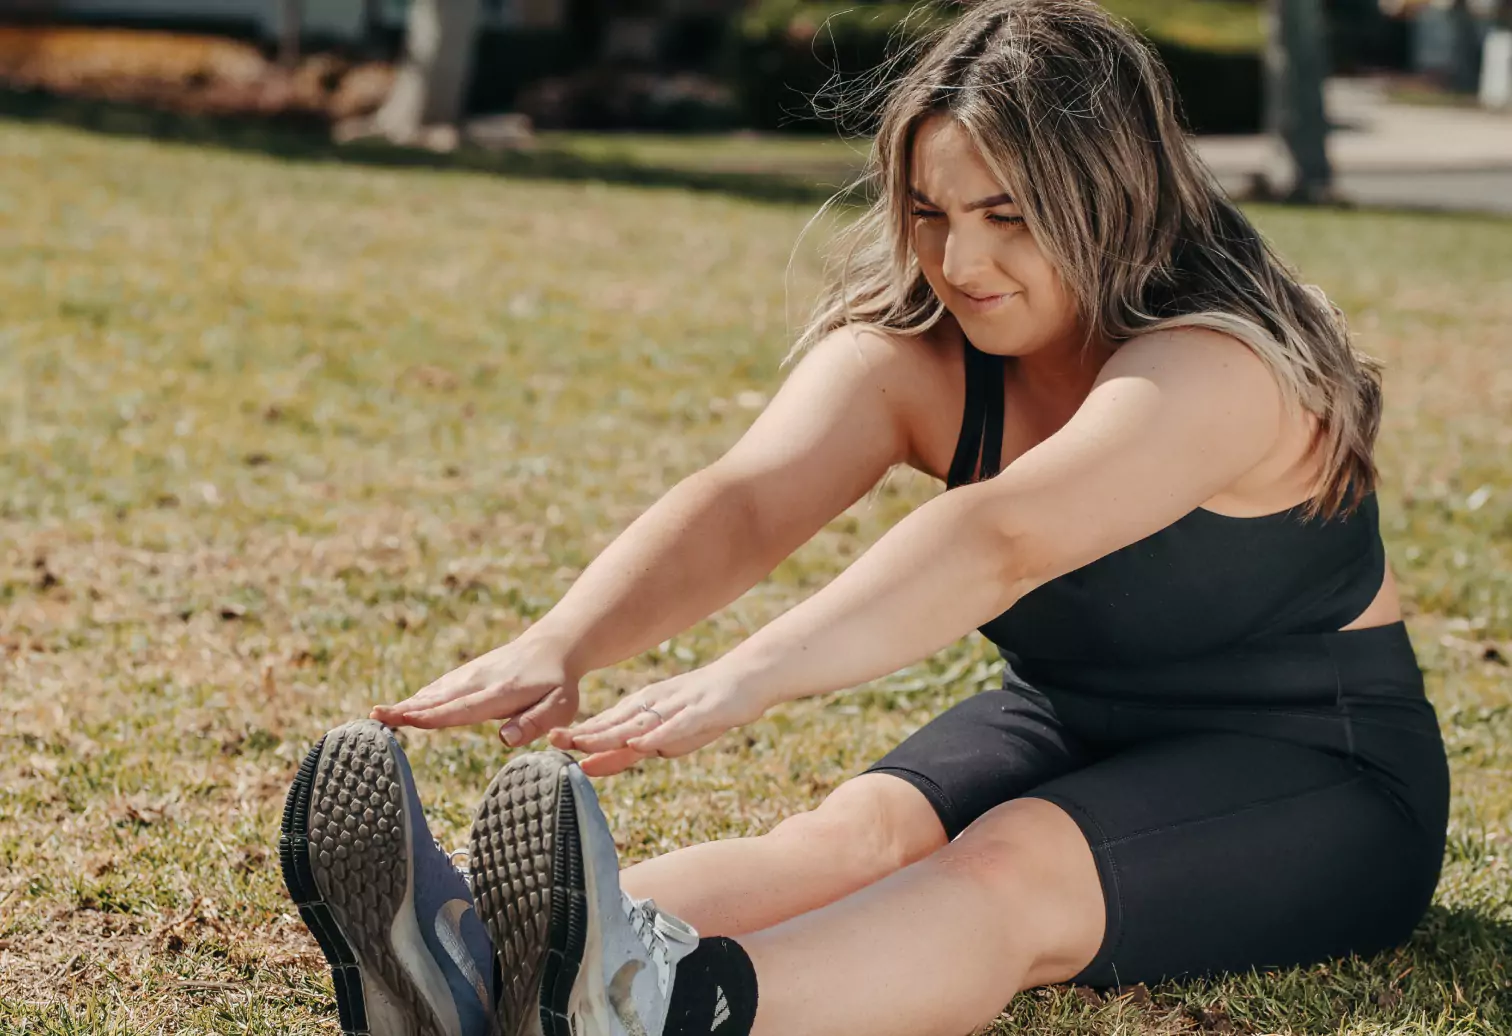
(1211, 749)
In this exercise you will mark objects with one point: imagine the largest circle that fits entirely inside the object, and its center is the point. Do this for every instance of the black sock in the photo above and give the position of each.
(714, 991)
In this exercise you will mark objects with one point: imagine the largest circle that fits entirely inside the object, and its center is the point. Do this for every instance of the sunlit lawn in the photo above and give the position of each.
(279, 440)
(815, 156)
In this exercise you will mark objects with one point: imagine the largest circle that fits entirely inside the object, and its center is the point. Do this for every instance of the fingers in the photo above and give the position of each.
(602, 764)
(688, 729)
(471, 706)
(424, 698)
(639, 721)
(556, 708)
(456, 684)
(625, 709)
(642, 736)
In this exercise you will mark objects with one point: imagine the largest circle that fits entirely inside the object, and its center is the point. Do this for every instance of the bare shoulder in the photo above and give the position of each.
(918, 375)
(1204, 372)
(891, 358)
(1213, 372)
(1196, 358)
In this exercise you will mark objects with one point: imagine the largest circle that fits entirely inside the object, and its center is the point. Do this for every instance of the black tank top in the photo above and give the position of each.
(1204, 584)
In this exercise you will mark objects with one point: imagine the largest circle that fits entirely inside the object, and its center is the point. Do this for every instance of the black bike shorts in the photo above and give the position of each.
(1234, 825)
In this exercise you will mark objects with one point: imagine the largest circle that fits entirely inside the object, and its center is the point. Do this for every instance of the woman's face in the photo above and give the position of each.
(978, 255)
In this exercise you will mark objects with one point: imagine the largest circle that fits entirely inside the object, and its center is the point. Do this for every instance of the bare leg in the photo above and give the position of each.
(938, 948)
(867, 828)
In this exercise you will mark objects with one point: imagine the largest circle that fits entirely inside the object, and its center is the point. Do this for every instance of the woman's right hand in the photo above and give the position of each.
(526, 683)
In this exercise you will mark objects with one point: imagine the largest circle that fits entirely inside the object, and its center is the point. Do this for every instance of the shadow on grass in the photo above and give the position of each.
(307, 141)
(1459, 961)
(1457, 968)
(1463, 945)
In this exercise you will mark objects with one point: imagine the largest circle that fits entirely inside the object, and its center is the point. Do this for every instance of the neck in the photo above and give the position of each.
(1062, 373)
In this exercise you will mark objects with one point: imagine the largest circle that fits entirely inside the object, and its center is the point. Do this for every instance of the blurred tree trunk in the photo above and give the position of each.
(433, 74)
(1464, 68)
(1296, 66)
(290, 27)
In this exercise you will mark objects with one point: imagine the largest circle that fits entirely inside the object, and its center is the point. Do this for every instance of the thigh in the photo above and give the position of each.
(1225, 852)
(873, 822)
(984, 751)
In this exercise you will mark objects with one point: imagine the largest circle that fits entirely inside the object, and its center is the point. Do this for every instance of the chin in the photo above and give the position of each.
(989, 337)
(1006, 336)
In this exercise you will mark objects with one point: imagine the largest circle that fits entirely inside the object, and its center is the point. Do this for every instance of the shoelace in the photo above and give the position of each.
(451, 857)
(642, 916)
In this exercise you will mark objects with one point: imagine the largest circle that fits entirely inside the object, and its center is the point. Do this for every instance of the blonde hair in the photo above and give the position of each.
(1076, 116)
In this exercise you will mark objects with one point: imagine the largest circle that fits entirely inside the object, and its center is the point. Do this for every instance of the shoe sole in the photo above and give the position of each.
(527, 873)
(344, 848)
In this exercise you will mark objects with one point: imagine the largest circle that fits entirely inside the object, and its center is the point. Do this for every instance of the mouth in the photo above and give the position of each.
(983, 303)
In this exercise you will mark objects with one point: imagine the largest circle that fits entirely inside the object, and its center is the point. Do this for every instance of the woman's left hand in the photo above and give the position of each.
(669, 718)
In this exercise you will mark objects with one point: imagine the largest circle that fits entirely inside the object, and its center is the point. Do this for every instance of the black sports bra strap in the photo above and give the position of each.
(969, 444)
(992, 442)
(983, 418)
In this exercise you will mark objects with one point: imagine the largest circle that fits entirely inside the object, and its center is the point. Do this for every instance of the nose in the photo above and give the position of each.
(968, 259)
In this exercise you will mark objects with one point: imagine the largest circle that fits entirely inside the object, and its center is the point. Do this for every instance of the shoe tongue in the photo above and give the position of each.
(669, 927)
(675, 928)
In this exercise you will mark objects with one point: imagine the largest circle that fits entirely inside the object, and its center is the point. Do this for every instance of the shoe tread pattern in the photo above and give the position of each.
(357, 852)
(526, 875)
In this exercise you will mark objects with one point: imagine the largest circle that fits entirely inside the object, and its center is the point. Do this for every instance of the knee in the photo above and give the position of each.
(1021, 842)
(1029, 860)
(870, 828)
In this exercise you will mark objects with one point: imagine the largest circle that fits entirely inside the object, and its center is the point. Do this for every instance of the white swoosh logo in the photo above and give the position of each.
(449, 931)
(621, 1000)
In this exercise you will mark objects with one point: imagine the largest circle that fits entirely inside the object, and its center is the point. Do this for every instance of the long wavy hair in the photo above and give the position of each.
(1076, 116)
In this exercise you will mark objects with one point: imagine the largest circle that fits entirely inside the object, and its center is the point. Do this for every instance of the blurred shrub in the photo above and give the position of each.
(608, 98)
(507, 60)
(787, 57)
(187, 73)
(1220, 91)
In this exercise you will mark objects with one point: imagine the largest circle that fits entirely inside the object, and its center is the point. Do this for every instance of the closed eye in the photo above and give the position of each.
(992, 217)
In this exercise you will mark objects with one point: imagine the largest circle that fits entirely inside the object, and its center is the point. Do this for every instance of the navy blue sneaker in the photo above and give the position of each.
(394, 917)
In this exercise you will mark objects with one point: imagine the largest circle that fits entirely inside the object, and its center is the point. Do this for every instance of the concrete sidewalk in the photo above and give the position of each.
(1384, 153)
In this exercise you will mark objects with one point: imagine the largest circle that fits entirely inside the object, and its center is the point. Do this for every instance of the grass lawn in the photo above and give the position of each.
(1231, 25)
(821, 159)
(278, 440)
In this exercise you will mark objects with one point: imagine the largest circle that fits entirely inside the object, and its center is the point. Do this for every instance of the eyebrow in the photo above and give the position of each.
(980, 203)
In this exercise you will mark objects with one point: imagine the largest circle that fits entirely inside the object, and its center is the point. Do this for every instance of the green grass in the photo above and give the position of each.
(1220, 25)
(1227, 25)
(830, 161)
(279, 439)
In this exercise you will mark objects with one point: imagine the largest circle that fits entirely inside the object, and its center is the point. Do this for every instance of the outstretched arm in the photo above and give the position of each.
(836, 425)
(1173, 420)
(1170, 423)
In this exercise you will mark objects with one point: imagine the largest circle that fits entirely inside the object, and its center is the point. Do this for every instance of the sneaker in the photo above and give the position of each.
(394, 917)
(577, 956)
